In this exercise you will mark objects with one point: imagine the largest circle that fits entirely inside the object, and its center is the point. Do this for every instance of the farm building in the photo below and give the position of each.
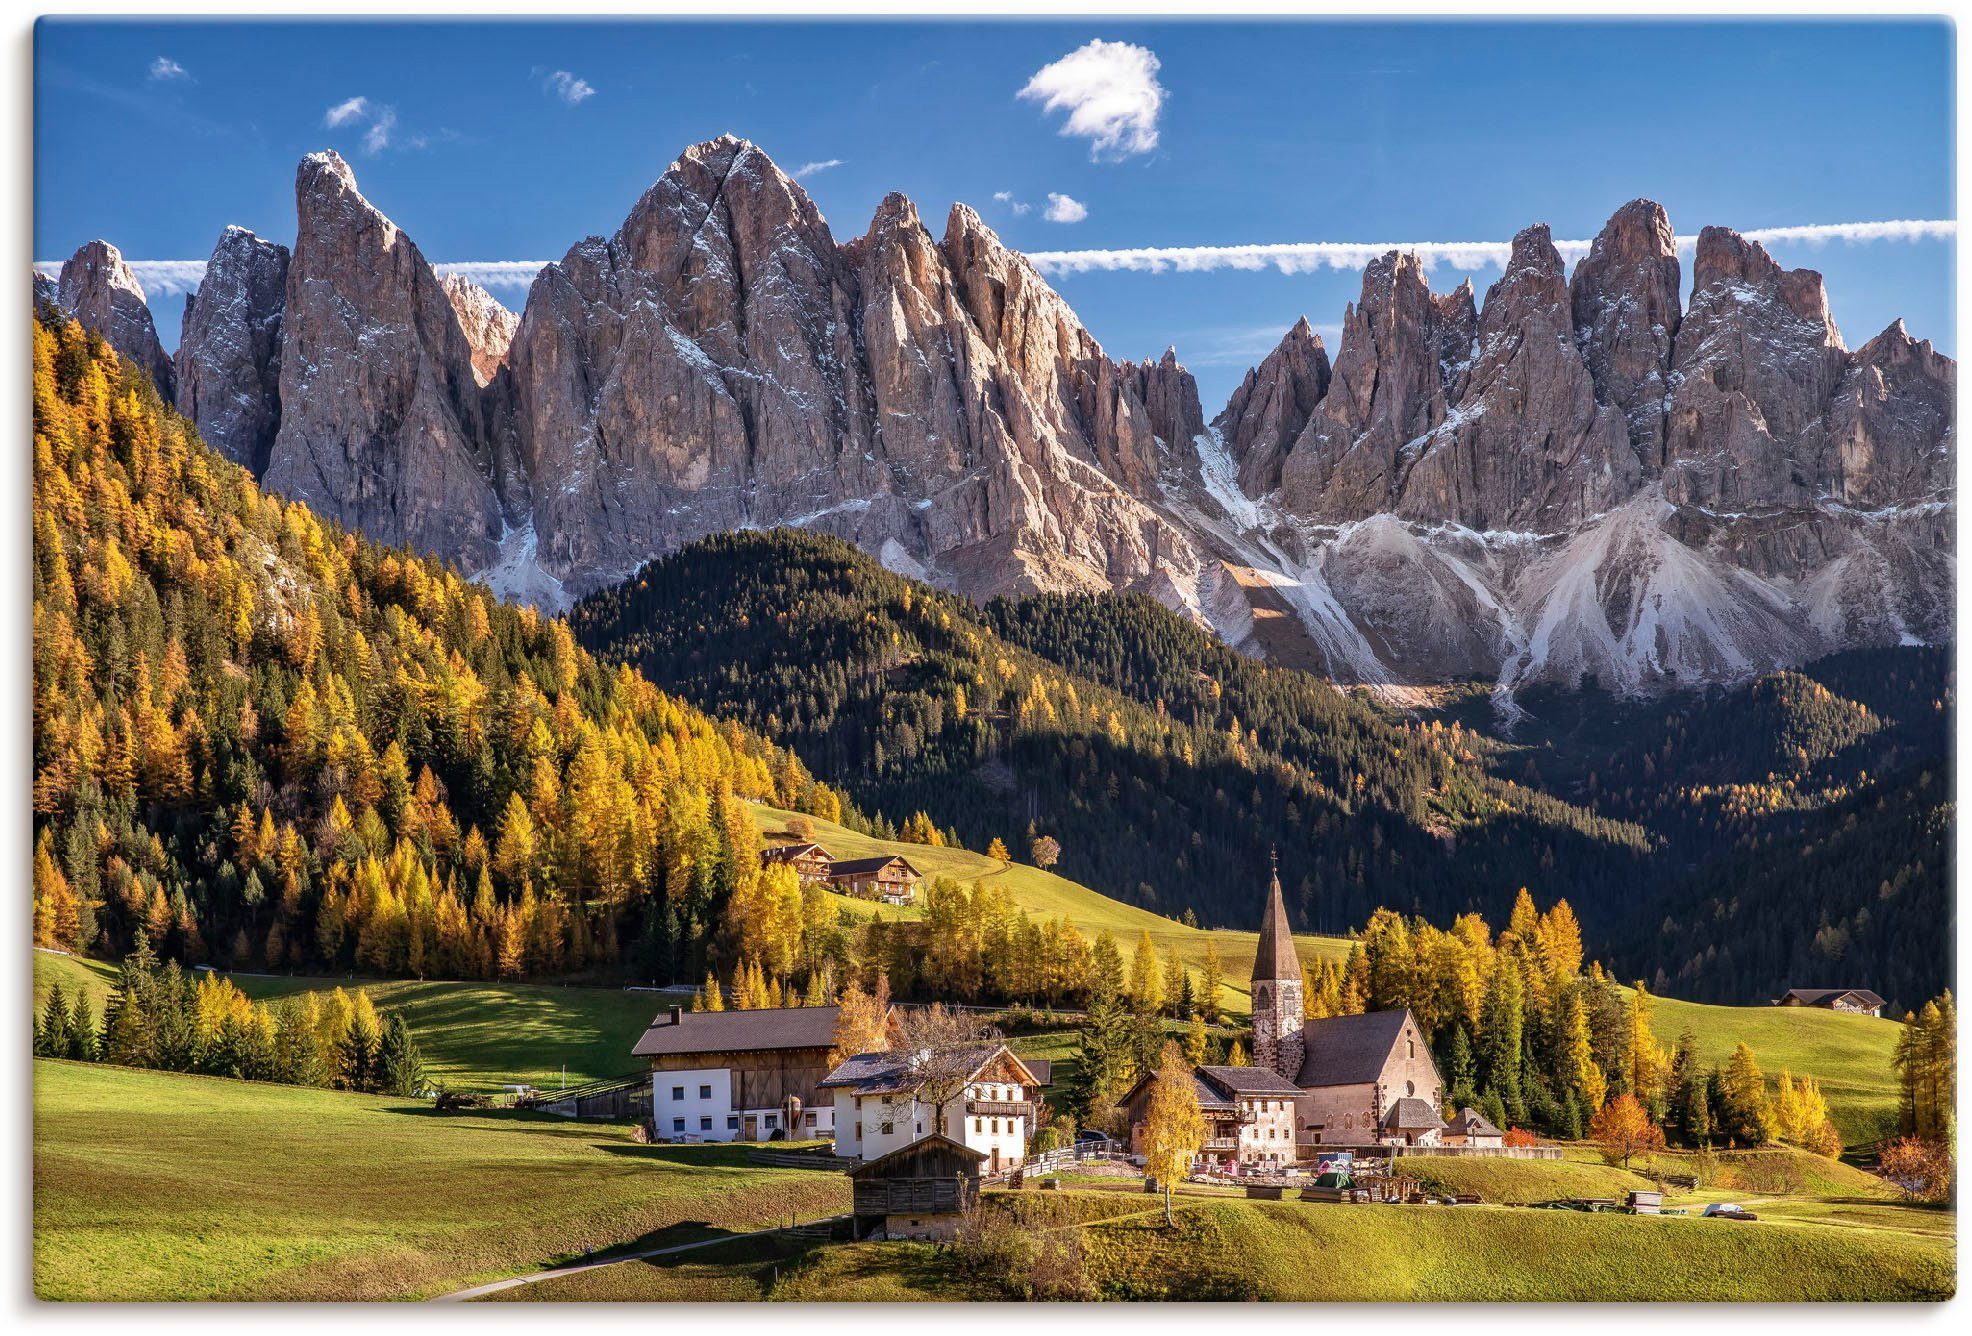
(740, 1075)
(1472, 1128)
(878, 1108)
(1352, 1071)
(918, 1191)
(1249, 1115)
(810, 861)
(889, 878)
(1855, 1001)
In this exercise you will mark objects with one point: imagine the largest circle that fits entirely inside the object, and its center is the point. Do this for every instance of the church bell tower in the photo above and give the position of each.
(1277, 996)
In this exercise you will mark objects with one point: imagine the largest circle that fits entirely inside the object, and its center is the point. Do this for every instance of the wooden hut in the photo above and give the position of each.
(921, 1191)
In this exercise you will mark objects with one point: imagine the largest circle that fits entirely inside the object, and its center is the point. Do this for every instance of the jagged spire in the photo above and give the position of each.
(1276, 958)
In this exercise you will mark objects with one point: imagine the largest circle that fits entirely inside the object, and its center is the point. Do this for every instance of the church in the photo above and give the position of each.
(1365, 1081)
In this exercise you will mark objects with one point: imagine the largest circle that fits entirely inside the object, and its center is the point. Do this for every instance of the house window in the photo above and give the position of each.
(677, 1124)
(887, 1128)
(859, 1131)
(705, 1092)
(1411, 1046)
(705, 1124)
(996, 1124)
(770, 1120)
(979, 1124)
(811, 1117)
(732, 1122)
(677, 1092)
(1410, 1087)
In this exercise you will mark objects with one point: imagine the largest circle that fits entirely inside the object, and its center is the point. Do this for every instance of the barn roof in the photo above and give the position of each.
(1348, 1050)
(780, 853)
(849, 867)
(1816, 997)
(765, 1029)
(933, 1148)
(1249, 1080)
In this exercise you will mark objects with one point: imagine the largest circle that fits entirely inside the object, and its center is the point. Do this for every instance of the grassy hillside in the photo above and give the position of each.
(154, 1186)
(474, 1036)
(1046, 895)
(1848, 1055)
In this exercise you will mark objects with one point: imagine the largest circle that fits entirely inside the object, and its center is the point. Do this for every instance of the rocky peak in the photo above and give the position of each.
(1169, 396)
(99, 290)
(488, 326)
(1271, 406)
(1626, 294)
(229, 351)
(1526, 445)
(1891, 431)
(1755, 362)
(382, 422)
(1388, 388)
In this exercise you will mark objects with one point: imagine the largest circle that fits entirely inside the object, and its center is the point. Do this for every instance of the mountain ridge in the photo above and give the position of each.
(1572, 478)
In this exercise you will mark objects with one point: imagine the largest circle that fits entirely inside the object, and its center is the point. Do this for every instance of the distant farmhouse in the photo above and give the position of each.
(877, 1109)
(740, 1075)
(889, 878)
(1364, 1081)
(809, 860)
(1855, 1001)
(1472, 1128)
(919, 1191)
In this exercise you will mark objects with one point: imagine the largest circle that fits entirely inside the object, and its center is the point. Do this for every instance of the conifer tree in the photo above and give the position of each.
(400, 1066)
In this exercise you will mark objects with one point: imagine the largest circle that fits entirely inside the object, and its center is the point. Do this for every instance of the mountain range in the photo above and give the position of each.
(1580, 477)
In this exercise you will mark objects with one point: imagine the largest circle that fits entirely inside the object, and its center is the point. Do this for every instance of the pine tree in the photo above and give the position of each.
(51, 1037)
(1213, 979)
(82, 1030)
(400, 1066)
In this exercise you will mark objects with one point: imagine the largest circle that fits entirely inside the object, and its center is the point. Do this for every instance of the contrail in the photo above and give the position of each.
(168, 277)
(1301, 257)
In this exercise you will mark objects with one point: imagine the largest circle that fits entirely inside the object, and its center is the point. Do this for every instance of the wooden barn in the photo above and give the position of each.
(888, 877)
(919, 1191)
(810, 861)
(740, 1075)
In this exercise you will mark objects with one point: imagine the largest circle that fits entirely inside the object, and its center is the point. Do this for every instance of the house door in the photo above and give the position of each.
(996, 1159)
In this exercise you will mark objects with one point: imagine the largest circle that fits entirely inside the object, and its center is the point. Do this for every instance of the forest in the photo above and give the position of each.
(1165, 784)
(266, 743)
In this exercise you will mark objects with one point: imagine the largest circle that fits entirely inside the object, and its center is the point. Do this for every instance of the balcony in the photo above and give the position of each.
(1220, 1143)
(999, 1108)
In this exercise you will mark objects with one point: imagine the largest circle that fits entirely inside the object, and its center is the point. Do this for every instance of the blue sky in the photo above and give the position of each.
(1264, 132)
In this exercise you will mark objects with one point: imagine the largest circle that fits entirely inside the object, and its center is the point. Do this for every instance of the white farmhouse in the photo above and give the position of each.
(880, 1105)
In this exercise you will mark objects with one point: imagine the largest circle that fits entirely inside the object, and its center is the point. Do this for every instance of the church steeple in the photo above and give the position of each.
(1277, 992)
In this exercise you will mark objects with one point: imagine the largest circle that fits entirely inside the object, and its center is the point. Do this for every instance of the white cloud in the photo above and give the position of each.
(377, 138)
(569, 88)
(1110, 92)
(1301, 257)
(807, 169)
(1063, 209)
(1019, 207)
(342, 113)
(166, 70)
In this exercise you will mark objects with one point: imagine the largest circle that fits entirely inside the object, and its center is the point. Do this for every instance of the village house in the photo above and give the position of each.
(740, 1075)
(888, 877)
(1248, 1111)
(1855, 1001)
(878, 1109)
(1472, 1128)
(810, 861)
(918, 1191)
(1353, 1072)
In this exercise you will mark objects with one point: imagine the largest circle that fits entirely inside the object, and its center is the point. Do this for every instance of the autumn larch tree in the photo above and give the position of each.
(1174, 1128)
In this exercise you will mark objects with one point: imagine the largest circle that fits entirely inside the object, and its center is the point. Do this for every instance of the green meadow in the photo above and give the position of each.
(152, 1185)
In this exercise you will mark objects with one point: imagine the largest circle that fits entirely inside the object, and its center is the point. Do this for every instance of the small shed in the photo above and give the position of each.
(1646, 1203)
(920, 1191)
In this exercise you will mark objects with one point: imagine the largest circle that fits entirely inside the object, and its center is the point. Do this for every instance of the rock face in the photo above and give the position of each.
(488, 326)
(1626, 295)
(98, 288)
(1268, 411)
(1756, 362)
(722, 362)
(382, 423)
(1574, 478)
(228, 363)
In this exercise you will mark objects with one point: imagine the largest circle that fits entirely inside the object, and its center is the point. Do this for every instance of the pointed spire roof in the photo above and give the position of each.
(1276, 958)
